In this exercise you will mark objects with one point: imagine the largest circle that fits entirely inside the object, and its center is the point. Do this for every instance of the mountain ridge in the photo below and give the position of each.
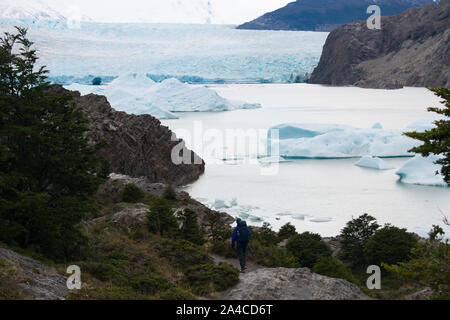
(325, 15)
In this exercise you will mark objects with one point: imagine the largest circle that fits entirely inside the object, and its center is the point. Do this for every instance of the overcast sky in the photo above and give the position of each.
(185, 11)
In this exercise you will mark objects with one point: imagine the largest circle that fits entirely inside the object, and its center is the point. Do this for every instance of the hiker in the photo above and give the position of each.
(241, 235)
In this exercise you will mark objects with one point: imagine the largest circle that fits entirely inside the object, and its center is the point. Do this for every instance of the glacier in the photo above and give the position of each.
(373, 163)
(322, 141)
(138, 94)
(193, 53)
(422, 171)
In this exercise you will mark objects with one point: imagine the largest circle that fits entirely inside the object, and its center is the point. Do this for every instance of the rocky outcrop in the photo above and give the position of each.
(325, 15)
(411, 49)
(138, 145)
(36, 280)
(291, 284)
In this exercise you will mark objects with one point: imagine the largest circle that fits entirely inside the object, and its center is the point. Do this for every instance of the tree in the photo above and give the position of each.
(47, 168)
(265, 235)
(132, 193)
(354, 236)
(190, 229)
(389, 245)
(286, 231)
(437, 140)
(308, 248)
(160, 219)
(332, 267)
(430, 265)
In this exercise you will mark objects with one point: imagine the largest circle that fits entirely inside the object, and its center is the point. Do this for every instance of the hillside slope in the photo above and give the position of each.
(411, 49)
(325, 15)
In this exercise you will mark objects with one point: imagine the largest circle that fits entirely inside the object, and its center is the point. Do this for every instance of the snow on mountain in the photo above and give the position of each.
(35, 10)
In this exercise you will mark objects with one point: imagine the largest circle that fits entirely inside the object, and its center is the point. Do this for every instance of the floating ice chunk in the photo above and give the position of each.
(283, 214)
(233, 202)
(138, 94)
(298, 216)
(337, 141)
(255, 218)
(220, 204)
(373, 162)
(421, 170)
(377, 126)
(244, 215)
(272, 159)
(421, 125)
(321, 220)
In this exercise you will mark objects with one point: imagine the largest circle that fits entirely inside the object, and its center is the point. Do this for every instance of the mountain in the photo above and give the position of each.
(411, 49)
(325, 15)
(36, 11)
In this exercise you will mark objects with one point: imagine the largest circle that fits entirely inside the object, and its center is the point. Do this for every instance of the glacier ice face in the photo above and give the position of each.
(338, 141)
(422, 171)
(374, 163)
(190, 53)
(138, 94)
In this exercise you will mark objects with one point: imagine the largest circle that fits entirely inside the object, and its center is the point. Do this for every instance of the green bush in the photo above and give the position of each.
(160, 219)
(265, 235)
(286, 231)
(308, 248)
(354, 237)
(182, 253)
(132, 194)
(272, 257)
(176, 294)
(150, 285)
(169, 193)
(207, 278)
(190, 229)
(389, 245)
(332, 267)
(430, 265)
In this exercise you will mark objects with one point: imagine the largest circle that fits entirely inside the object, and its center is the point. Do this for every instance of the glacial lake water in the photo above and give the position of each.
(333, 190)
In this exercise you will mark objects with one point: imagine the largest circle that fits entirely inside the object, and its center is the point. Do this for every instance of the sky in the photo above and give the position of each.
(172, 11)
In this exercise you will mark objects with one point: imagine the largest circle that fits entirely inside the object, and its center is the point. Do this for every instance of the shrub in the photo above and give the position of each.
(286, 231)
(308, 248)
(207, 278)
(176, 294)
(150, 285)
(190, 230)
(132, 194)
(182, 253)
(265, 235)
(169, 193)
(272, 257)
(160, 219)
(430, 265)
(354, 237)
(332, 267)
(389, 245)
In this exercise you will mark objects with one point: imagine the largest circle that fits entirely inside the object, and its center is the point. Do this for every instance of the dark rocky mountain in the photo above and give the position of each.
(138, 146)
(411, 49)
(325, 15)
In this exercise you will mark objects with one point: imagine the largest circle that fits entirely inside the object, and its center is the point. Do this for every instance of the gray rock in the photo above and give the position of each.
(132, 217)
(291, 284)
(138, 145)
(37, 280)
(411, 49)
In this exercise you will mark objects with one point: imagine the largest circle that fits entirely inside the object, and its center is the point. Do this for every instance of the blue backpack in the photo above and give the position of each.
(242, 234)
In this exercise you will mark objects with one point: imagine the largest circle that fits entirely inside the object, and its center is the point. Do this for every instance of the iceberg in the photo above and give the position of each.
(322, 141)
(374, 163)
(138, 94)
(422, 171)
(321, 220)
(298, 216)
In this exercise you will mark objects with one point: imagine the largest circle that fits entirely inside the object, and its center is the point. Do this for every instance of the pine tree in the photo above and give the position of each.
(47, 168)
(437, 140)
